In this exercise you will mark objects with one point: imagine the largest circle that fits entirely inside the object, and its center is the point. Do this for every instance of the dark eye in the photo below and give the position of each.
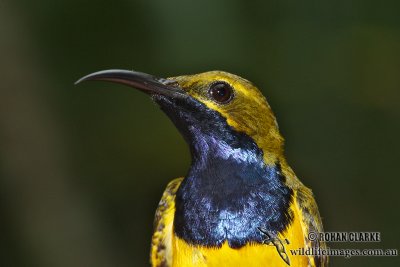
(221, 92)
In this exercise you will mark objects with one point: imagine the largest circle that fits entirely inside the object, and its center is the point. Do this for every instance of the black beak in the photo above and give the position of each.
(144, 82)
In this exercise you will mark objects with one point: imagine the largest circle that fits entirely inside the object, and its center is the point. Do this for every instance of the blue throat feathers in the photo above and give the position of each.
(229, 191)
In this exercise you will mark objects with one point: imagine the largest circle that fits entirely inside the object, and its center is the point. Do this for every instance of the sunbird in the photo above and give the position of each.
(240, 203)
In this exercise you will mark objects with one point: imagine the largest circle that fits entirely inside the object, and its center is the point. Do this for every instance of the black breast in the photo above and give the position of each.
(228, 201)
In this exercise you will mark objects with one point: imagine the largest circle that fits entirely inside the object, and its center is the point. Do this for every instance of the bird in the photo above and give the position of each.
(240, 203)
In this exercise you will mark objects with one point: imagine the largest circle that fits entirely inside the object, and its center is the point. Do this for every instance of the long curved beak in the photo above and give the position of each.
(144, 82)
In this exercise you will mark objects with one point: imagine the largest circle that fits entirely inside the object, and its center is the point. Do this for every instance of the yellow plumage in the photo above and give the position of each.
(256, 119)
(240, 203)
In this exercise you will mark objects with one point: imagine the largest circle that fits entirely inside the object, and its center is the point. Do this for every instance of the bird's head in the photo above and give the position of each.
(210, 108)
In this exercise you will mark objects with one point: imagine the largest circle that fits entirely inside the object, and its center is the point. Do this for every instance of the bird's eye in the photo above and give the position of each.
(221, 92)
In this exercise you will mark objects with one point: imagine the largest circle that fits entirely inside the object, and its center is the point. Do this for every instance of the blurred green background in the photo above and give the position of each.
(82, 168)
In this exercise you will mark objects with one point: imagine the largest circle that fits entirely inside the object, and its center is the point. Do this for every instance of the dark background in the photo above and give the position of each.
(82, 168)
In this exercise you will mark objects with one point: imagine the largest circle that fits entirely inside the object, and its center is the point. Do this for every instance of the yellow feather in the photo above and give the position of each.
(249, 255)
(169, 250)
(249, 113)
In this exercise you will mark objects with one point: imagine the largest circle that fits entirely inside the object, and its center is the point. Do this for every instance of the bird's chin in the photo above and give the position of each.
(182, 112)
(161, 100)
(171, 107)
(167, 104)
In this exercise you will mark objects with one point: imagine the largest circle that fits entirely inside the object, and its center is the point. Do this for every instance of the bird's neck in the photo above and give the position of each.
(210, 152)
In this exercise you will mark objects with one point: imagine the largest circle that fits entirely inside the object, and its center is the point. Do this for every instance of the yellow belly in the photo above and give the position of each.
(249, 255)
